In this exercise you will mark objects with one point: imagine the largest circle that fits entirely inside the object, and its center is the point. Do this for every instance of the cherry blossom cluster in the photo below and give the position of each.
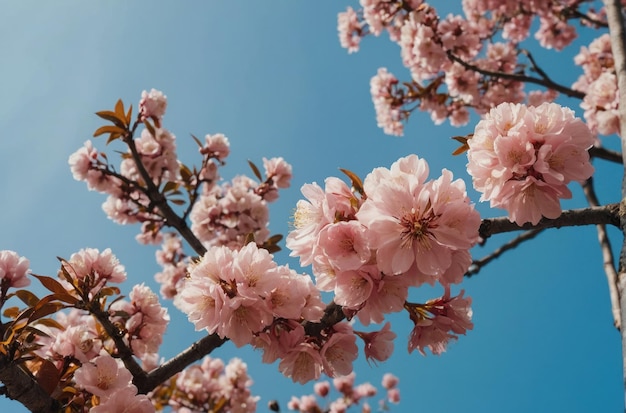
(108, 379)
(238, 293)
(88, 270)
(229, 214)
(455, 61)
(209, 386)
(439, 321)
(599, 83)
(144, 321)
(349, 395)
(521, 158)
(403, 231)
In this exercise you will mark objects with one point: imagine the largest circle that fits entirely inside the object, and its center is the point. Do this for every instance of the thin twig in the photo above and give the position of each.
(547, 82)
(478, 264)
(606, 154)
(608, 260)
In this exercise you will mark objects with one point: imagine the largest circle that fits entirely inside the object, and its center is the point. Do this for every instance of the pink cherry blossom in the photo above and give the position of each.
(152, 105)
(302, 363)
(104, 376)
(216, 146)
(349, 28)
(339, 351)
(378, 344)
(390, 381)
(13, 270)
(411, 221)
(125, 401)
(521, 158)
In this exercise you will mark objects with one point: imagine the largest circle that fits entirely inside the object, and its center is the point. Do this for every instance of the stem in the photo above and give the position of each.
(618, 47)
(543, 81)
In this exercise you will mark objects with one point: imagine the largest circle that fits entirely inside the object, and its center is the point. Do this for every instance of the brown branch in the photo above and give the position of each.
(160, 201)
(176, 364)
(608, 261)
(606, 154)
(21, 386)
(477, 265)
(607, 214)
(123, 350)
(544, 81)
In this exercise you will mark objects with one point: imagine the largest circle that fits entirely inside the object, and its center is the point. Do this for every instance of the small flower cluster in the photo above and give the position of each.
(238, 293)
(89, 270)
(350, 395)
(599, 83)
(521, 158)
(144, 320)
(439, 321)
(108, 379)
(211, 386)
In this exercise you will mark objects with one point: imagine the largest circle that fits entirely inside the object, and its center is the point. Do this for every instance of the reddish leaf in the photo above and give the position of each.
(108, 129)
(11, 312)
(27, 297)
(357, 184)
(48, 376)
(129, 114)
(197, 140)
(112, 117)
(150, 127)
(255, 170)
(51, 284)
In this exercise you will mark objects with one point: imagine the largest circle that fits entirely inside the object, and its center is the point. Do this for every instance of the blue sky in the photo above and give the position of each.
(272, 77)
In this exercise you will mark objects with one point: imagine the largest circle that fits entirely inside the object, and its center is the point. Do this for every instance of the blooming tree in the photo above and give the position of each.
(368, 242)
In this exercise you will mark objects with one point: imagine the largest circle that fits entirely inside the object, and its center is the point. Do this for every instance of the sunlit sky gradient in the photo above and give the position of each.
(272, 77)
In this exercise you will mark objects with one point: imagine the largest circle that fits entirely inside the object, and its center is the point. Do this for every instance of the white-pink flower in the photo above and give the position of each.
(13, 270)
(413, 221)
(152, 105)
(103, 376)
(521, 158)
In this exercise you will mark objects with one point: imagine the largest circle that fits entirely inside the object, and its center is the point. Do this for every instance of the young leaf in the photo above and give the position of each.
(197, 140)
(120, 112)
(27, 297)
(129, 114)
(113, 130)
(255, 170)
(150, 128)
(112, 117)
(357, 184)
(51, 284)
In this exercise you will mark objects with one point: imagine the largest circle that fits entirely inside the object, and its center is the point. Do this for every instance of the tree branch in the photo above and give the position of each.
(544, 81)
(160, 201)
(478, 264)
(608, 261)
(20, 385)
(607, 214)
(195, 352)
(606, 154)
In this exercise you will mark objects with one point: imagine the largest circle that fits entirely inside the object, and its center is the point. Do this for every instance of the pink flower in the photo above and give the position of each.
(104, 376)
(322, 388)
(346, 245)
(339, 351)
(302, 363)
(390, 381)
(278, 170)
(152, 105)
(450, 316)
(411, 221)
(125, 401)
(216, 146)
(13, 270)
(349, 28)
(388, 111)
(378, 344)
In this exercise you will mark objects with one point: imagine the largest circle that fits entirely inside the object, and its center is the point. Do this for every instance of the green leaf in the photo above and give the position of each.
(255, 170)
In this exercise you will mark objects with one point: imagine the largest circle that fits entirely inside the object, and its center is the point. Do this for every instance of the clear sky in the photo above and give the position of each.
(272, 77)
